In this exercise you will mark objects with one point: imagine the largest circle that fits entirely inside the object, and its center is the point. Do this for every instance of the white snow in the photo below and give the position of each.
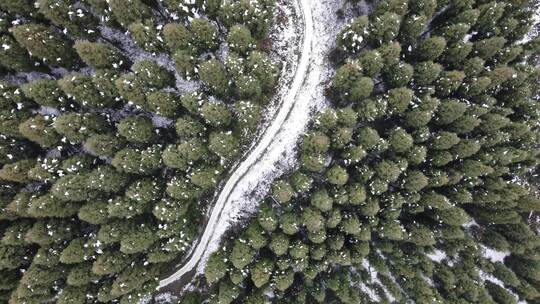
(43, 110)
(373, 279)
(488, 277)
(437, 255)
(494, 255)
(470, 224)
(535, 30)
(161, 122)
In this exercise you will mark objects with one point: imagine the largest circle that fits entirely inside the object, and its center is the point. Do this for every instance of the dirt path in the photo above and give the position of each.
(250, 162)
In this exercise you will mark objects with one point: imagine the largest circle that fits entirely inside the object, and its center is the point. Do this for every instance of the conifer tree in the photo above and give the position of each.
(76, 21)
(51, 47)
(12, 55)
(98, 55)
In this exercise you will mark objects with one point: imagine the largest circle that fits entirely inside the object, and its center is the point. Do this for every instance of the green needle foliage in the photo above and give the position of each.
(117, 121)
(420, 176)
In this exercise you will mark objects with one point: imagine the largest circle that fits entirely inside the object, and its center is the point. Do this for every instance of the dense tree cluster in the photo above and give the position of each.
(117, 119)
(416, 175)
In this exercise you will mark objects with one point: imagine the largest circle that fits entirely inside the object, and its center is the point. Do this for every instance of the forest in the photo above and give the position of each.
(419, 184)
(120, 119)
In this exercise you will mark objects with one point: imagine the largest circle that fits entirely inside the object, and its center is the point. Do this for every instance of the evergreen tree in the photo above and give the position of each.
(203, 35)
(138, 161)
(239, 39)
(152, 74)
(99, 55)
(261, 272)
(77, 127)
(137, 129)
(128, 12)
(177, 37)
(13, 56)
(85, 92)
(45, 92)
(39, 129)
(146, 36)
(213, 74)
(241, 254)
(76, 21)
(164, 103)
(224, 144)
(282, 191)
(46, 44)
(217, 267)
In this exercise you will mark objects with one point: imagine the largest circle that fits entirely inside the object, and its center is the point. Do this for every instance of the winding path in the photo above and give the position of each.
(251, 160)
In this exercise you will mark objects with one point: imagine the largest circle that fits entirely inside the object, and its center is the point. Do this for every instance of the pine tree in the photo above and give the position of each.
(39, 129)
(138, 129)
(99, 55)
(13, 56)
(128, 12)
(282, 191)
(25, 8)
(261, 272)
(224, 144)
(76, 21)
(44, 43)
(241, 254)
(177, 37)
(152, 74)
(85, 92)
(213, 75)
(239, 39)
(216, 114)
(138, 161)
(104, 144)
(45, 92)
(217, 267)
(78, 127)
(146, 36)
(203, 34)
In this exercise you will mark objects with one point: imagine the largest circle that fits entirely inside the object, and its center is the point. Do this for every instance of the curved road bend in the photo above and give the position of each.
(251, 160)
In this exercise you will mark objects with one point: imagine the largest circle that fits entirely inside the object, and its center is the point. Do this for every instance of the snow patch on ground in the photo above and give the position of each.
(372, 272)
(370, 292)
(437, 255)
(494, 255)
(24, 77)
(469, 224)
(373, 279)
(535, 30)
(43, 110)
(162, 299)
(162, 122)
(484, 276)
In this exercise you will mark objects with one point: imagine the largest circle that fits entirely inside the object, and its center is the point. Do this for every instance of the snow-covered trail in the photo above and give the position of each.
(275, 152)
(249, 163)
